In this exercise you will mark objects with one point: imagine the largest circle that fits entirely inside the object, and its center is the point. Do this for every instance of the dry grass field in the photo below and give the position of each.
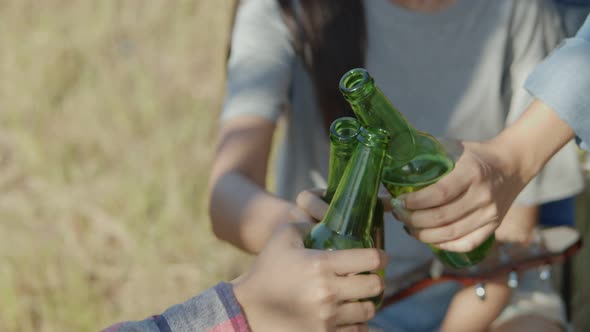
(107, 119)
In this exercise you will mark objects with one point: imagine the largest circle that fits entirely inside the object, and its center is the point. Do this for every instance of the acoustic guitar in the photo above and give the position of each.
(549, 246)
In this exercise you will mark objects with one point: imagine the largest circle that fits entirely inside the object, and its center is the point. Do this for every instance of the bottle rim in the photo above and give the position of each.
(374, 136)
(356, 83)
(344, 129)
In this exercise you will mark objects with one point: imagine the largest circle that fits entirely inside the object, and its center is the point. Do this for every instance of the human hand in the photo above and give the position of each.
(311, 206)
(291, 288)
(465, 207)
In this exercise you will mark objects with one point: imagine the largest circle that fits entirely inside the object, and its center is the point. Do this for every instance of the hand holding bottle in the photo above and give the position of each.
(291, 288)
(468, 204)
(415, 159)
(465, 207)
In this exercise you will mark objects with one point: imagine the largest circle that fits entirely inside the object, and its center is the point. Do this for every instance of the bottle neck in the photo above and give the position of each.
(343, 141)
(373, 109)
(339, 158)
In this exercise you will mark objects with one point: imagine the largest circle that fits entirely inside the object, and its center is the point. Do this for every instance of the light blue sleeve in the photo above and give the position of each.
(562, 81)
(584, 32)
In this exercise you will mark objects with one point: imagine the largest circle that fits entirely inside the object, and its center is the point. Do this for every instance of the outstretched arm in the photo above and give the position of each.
(465, 207)
(258, 80)
(242, 211)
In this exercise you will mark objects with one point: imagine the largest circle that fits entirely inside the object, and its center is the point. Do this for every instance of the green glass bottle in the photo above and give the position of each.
(343, 134)
(414, 160)
(349, 221)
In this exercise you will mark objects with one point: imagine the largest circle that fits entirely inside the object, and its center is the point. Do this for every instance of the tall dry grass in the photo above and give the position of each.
(107, 113)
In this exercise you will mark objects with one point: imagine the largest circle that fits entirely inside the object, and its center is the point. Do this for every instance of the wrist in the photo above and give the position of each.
(514, 159)
(247, 300)
(527, 144)
(240, 291)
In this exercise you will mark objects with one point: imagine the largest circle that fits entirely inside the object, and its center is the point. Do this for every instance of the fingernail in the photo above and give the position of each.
(398, 203)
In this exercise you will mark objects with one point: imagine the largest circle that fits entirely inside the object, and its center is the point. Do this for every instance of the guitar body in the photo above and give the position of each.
(549, 246)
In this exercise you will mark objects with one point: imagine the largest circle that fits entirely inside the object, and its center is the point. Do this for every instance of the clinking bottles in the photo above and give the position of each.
(343, 141)
(414, 159)
(349, 221)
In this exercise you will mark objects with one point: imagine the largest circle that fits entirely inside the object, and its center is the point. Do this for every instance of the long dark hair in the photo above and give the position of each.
(330, 38)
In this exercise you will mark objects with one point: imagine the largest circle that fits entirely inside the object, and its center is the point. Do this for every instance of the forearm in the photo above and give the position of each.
(532, 140)
(243, 213)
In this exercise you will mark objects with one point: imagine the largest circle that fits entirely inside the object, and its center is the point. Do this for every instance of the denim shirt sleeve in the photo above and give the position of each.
(562, 81)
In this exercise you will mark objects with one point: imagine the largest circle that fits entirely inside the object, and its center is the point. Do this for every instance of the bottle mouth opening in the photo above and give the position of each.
(354, 81)
(374, 136)
(344, 129)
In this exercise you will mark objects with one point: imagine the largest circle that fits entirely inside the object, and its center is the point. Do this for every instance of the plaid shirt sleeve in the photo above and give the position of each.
(214, 310)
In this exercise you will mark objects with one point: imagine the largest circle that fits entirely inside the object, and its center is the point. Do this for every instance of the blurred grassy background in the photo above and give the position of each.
(107, 118)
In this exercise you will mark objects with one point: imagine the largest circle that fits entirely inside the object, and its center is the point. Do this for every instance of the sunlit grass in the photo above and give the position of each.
(107, 117)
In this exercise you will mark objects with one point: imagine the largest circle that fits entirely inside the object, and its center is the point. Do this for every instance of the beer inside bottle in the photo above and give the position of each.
(423, 171)
(414, 159)
(348, 223)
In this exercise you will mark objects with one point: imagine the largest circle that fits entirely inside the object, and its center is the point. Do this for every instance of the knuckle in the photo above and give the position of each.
(317, 265)
(324, 293)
